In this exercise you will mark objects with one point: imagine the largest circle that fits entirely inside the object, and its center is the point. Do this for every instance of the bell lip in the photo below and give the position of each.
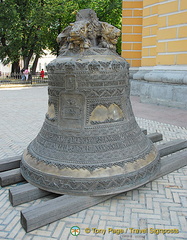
(96, 192)
(93, 194)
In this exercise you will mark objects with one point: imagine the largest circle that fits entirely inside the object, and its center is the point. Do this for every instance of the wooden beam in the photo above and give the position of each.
(25, 193)
(144, 131)
(172, 163)
(171, 147)
(55, 209)
(10, 177)
(9, 163)
(155, 137)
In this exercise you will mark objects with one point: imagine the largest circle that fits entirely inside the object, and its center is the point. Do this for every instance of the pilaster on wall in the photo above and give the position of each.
(172, 32)
(149, 32)
(132, 31)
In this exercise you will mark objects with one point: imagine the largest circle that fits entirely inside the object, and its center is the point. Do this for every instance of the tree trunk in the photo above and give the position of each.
(15, 71)
(27, 59)
(35, 64)
(59, 29)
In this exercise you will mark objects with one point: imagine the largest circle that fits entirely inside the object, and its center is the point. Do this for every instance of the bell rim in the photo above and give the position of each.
(150, 171)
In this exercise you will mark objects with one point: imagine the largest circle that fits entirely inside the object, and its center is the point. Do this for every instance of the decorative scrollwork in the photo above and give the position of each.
(86, 32)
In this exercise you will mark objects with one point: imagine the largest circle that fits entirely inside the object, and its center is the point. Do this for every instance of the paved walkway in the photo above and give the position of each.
(161, 204)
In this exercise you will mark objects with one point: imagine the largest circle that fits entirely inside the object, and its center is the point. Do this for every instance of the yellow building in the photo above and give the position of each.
(154, 42)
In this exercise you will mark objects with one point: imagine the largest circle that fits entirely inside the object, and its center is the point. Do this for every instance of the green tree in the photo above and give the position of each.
(21, 31)
(9, 33)
(27, 27)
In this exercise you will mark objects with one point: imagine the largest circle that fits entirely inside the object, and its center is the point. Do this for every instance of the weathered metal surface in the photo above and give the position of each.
(90, 143)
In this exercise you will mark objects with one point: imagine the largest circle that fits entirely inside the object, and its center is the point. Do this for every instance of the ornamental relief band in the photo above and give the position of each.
(80, 67)
(89, 186)
(107, 159)
(116, 157)
(89, 148)
(118, 127)
(62, 138)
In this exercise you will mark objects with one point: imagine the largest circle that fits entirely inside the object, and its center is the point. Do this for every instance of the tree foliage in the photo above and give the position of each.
(27, 27)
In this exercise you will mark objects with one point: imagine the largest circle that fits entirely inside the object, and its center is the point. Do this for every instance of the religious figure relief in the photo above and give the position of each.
(71, 111)
(87, 31)
(70, 82)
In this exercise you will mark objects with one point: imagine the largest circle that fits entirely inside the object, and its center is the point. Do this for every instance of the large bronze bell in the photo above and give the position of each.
(90, 143)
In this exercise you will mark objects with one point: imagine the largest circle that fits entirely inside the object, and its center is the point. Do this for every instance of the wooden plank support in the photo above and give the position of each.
(25, 193)
(172, 163)
(171, 147)
(9, 163)
(144, 131)
(45, 213)
(155, 137)
(10, 177)
(55, 209)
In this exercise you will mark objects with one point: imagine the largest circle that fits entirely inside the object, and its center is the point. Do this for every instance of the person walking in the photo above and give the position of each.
(42, 73)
